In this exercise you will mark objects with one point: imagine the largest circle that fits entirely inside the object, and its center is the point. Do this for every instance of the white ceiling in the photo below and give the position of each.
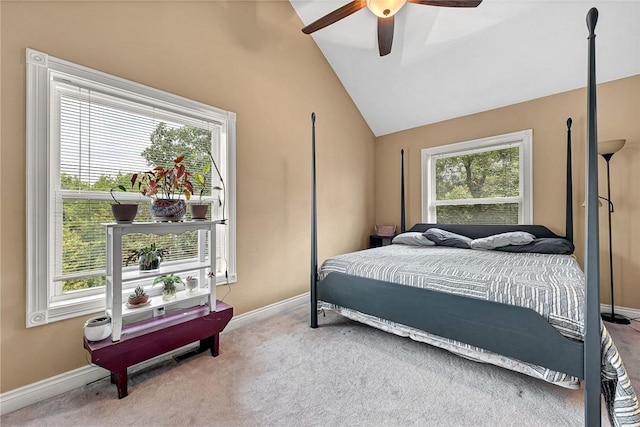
(451, 62)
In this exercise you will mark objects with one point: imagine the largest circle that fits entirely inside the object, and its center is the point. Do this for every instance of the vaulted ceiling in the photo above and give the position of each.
(451, 62)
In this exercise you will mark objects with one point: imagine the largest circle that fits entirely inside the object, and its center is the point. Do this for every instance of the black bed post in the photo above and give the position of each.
(592, 349)
(314, 228)
(569, 202)
(403, 223)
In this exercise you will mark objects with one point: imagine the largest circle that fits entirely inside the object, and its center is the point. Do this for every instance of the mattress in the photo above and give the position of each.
(551, 285)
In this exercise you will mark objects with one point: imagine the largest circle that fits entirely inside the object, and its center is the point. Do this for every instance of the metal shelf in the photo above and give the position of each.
(138, 275)
(161, 228)
(199, 297)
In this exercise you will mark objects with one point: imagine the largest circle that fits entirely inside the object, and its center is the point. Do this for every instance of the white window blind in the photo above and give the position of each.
(103, 140)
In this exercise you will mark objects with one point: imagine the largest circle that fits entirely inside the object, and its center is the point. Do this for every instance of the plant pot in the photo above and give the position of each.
(147, 262)
(191, 285)
(124, 213)
(164, 210)
(199, 212)
(140, 300)
(168, 294)
(97, 328)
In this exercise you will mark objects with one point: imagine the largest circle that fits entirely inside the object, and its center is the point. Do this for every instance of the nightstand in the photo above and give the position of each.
(377, 241)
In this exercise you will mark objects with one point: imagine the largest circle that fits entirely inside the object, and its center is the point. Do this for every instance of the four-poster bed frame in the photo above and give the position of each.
(512, 331)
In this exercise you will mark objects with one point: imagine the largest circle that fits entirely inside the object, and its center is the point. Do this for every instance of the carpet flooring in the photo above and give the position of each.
(280, 372)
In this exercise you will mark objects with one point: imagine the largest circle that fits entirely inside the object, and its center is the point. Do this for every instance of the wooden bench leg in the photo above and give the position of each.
(215, 347)
(120, 380)
(211, 343)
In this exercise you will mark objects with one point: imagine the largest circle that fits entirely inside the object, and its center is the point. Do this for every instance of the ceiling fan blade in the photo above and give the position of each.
(335, 16)
(448, 3)
(385, 35)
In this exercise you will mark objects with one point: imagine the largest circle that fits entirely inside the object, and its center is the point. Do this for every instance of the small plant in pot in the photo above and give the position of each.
(138, 297)
(123, 213)
(166, 186)
(97, 328)
(169, 282)
(191, 284)
(224, 196)
(199, 210)
(148, 257)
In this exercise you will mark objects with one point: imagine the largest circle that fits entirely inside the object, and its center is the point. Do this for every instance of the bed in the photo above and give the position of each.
(535, 313)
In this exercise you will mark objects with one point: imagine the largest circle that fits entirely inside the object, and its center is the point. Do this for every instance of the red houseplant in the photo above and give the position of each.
(165, 186)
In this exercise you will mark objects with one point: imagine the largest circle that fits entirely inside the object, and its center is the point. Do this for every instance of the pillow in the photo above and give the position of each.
(447, 238)
(503, 239)
(413, 239)
(547, 245)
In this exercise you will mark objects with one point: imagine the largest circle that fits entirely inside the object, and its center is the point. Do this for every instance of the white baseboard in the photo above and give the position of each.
(50, 387)
(41, 390)
(631, 313)
(266, 312)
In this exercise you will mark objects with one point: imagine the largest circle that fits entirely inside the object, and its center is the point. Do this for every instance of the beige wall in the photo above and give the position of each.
(618, 117)
(247, 57)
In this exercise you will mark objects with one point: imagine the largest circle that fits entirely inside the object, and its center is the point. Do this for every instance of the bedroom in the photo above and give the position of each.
(224, 54)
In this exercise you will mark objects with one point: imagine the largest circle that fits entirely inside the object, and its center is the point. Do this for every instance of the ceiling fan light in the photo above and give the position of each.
(385, 8)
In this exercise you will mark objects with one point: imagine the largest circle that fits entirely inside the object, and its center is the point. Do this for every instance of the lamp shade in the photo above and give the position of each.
(611, 146)
(385, 8)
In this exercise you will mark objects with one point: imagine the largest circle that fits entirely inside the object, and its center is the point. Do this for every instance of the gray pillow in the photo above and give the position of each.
(546, 245)
(447, 238)
(413, 239)
(503, 239)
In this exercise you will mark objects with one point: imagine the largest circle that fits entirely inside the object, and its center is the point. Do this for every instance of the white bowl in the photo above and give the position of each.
(97, 328)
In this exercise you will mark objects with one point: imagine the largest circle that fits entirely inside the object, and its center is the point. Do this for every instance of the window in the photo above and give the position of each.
(87, 133)
(484, 181)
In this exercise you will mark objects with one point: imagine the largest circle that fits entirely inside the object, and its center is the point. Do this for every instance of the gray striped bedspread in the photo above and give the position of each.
(552, 285)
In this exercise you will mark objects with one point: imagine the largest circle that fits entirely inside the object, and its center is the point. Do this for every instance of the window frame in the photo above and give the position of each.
(521, 139)
(42, 305)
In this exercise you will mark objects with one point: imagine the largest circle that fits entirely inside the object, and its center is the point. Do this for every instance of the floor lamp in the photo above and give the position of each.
(607, 149)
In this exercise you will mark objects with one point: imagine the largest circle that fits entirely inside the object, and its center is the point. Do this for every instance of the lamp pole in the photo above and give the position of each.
(611, 317)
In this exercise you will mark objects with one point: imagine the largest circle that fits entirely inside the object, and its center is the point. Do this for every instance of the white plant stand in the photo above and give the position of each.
(116, 277)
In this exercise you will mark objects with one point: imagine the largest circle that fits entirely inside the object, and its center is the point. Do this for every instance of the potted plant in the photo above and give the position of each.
(191, 283)
(97, 328)
(169, 282)
(149, 257)
(166, 186)
(224, 195)
(123, 213)
(138, 297)
(199, 210)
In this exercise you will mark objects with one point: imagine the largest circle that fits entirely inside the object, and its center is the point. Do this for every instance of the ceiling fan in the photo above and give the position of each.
(385, 11)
